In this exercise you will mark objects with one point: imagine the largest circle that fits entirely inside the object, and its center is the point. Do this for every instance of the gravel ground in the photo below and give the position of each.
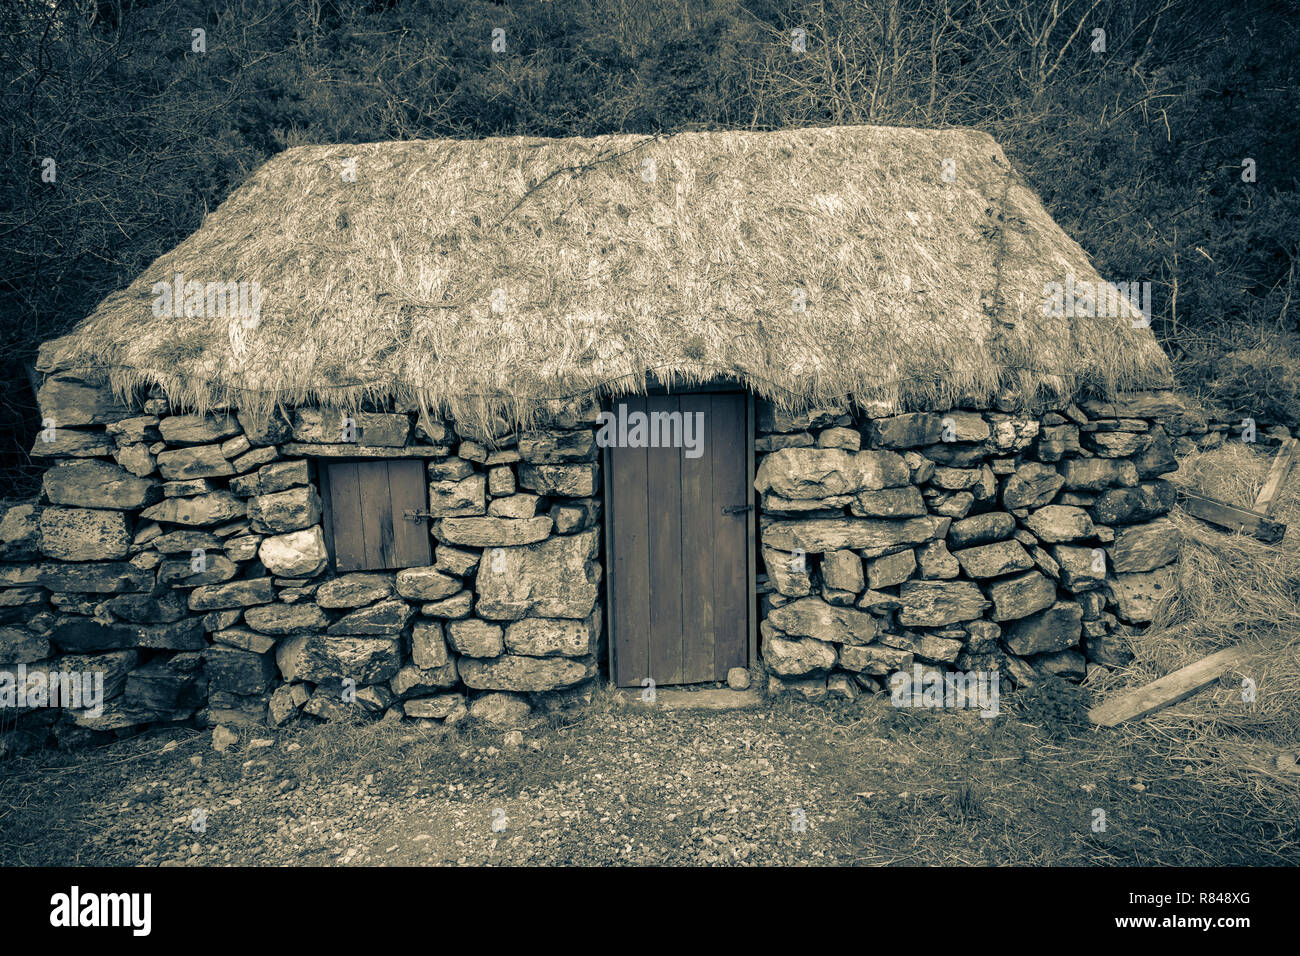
(789, 784)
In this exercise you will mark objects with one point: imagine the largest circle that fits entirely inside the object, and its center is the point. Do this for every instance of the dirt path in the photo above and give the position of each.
(789, 784)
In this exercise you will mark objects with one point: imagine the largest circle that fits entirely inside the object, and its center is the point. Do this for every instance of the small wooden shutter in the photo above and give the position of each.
(368, 501)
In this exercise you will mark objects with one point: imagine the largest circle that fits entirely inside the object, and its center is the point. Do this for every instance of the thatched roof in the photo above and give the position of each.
(492, 275)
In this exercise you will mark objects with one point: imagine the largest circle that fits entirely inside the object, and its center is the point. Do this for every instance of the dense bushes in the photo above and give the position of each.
(1138, 149)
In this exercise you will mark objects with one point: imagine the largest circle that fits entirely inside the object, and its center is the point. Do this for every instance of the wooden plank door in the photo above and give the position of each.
(679, 561)
(368, 501)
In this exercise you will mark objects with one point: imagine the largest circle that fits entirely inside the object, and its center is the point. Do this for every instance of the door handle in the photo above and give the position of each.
(736, 509)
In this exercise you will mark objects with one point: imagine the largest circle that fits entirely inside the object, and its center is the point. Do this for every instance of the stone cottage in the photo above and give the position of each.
(429, 429)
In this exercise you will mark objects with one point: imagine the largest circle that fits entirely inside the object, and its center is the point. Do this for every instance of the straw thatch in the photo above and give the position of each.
(488, 276)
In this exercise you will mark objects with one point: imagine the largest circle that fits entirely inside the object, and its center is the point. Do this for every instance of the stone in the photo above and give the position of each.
(1157, 458)
(284, 511)
(387, 617)
(994, 560)
(981, 529)
(475, 638)
(551, 637)
(235, 594)
(269, 479)
(472, 451)
(243, 548)
(200, 461)
(327, 426)
(500, 709)
(525, 506)
(283, 618)
(141, 428)
(318, 657)
(100, 577)
(1020, 596)
(428, 646)
(454, 561)
(97, 484)
(934, 562)
(955, 454)
(455, 607)
(955, 506)
(458, 498)
(1053, 629)
(837, 437)
(797, 657)
(244, 639)
(84, 534)
(566, 481)
(823, 506)
(426, 584)
(1082, 569)
(768, 443)
(517, 673)
(1032, 486)
(1145, 547)
(20, 532)
(160, 608)
(813, 691)
(197, 429)
(772, 419)
(18, 646)
(69, 442)
(354, 590)
(919, 468)
(982, 636)
(928, 647)
(842, 571)
(1151, 404)
(812, 617)
(198, 511)
(554, 447)
(492, 532)
(238, 672)
(818, 535)
(70, 399)
(114, 665)
(439, 707)
(788, 573)
(572, 516)
(283, 705)
(874, 659)
(235, 447)
(909, 430)
(823, 472)
(187, 489)
(903, 502)
(417, 682)
(558, 577)
(252, 459)
(264, 428)
(955, 479)
(453, 469)
(501, 481)
(891, 569)
(1129, 505)
(937, 603)
(1098, 474)
(1111, 648)
(223, 738)
(80, 635)
(1068, 665)
(1060, 523)
(1117, 444)
(738, 678)
(296, 554)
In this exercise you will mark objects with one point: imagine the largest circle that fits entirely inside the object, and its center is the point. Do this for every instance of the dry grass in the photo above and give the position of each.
(920, 291)
(1230, 589)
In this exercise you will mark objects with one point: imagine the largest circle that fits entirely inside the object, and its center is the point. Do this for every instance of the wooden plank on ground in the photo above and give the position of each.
(1277, 475)
(1168, 690)
(1232, 517)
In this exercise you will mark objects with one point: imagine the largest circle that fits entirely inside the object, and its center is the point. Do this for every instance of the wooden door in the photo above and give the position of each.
(367, 503)
(679, 556)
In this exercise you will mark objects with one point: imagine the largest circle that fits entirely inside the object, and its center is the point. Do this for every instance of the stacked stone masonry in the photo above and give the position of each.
(963, 540)
(183, 557)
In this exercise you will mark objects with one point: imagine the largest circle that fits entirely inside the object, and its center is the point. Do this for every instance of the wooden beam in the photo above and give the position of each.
(1277, 475)
(1232, 517)
(1168, 690)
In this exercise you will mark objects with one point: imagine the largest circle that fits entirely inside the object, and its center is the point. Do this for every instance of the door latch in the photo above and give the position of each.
(736, 509)
(416, 515)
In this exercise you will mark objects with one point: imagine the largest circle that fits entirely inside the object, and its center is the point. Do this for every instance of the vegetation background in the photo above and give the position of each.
(1137, 149)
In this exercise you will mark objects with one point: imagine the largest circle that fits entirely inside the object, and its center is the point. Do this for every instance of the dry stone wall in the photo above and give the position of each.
(963, 540)
(183, 557)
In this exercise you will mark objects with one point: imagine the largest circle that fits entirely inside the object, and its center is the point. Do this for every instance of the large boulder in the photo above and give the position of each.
(84, 534)
(813, 617)
(97, 484)
(558, 577)
(824, 472)
(518, 673)
(318, 657)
